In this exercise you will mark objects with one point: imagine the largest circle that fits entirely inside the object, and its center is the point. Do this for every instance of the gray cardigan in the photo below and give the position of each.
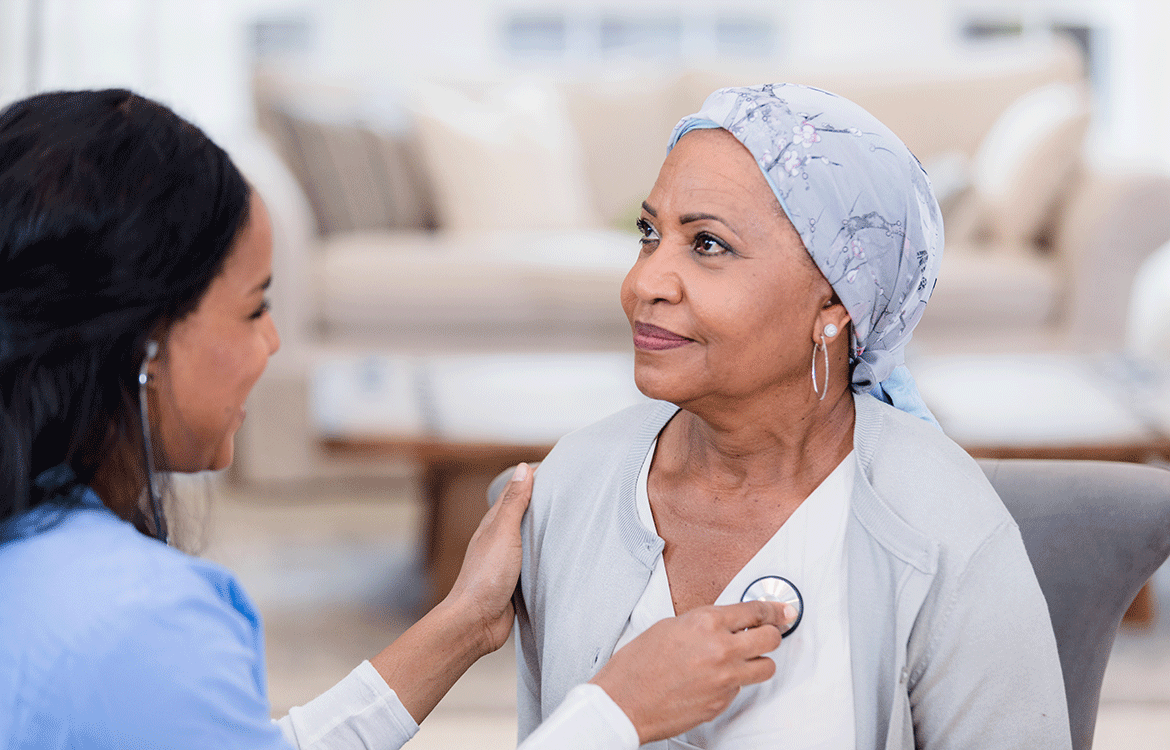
(950, 638)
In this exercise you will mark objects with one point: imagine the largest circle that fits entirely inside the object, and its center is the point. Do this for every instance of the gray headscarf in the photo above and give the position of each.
(863, 207)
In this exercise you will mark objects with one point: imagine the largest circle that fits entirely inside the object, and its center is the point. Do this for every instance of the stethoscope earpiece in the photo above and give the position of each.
(776, 589)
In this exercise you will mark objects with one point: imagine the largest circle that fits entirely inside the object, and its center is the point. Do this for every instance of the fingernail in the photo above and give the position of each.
(521, 473)
(789, 613)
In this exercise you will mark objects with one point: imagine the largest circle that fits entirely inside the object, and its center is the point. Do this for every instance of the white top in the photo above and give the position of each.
(361, 706)
(808, 703)
(362, 712)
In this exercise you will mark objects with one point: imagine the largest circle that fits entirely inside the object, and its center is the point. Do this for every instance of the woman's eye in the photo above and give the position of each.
(265, 306)
(649, 234)
(706, 244)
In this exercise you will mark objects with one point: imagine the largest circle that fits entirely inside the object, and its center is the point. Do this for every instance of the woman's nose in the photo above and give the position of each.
(272, 336)
(656, 276)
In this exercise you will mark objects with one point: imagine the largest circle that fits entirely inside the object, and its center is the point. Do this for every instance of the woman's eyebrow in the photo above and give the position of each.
(262, 286)
(688, 218)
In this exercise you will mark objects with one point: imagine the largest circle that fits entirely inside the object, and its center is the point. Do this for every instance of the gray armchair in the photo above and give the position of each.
(1095, 532)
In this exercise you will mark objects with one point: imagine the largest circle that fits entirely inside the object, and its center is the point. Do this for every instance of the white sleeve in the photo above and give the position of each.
(359, 713)
(588, 719)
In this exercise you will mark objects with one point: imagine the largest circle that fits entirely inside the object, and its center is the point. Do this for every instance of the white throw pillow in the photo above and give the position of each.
(623, 120)
(502, 157)
(1025, 162)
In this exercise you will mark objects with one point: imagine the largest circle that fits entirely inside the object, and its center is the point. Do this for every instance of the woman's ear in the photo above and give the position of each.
(831, 322)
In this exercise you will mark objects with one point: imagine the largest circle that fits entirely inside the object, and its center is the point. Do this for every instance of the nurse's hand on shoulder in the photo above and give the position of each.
(686, 670)
(491, 566)
(474, 619)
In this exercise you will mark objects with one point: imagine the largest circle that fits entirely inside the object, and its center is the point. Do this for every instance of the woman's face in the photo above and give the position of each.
(210, 359)
(724, 301)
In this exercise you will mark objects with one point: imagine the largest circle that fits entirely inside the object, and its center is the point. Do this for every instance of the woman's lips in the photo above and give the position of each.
(654, 338)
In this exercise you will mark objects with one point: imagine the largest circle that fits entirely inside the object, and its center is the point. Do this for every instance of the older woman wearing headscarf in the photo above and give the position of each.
(789, 247)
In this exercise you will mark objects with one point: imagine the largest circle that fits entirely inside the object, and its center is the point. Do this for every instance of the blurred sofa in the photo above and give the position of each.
(498, 215)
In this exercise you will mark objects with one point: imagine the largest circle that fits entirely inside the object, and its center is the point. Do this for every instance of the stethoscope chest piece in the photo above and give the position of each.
(776, 589)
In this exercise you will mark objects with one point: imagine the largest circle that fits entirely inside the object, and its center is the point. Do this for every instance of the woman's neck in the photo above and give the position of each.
(759, 445)
(723, 481)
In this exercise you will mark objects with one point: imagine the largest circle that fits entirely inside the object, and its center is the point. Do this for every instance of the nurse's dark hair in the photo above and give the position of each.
(115, 216)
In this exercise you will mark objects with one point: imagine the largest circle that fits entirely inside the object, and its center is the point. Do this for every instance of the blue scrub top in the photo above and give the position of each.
(110, 639)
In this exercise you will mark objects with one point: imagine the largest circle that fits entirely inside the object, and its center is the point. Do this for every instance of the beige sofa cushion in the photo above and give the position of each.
(1022, 169)
(349, 148)
(302, 143)
(934, 109)
(356, 176)
(982, 290)
(402, 179)
(490, 289)
(624, 123)
(357, 196)
(503, 157)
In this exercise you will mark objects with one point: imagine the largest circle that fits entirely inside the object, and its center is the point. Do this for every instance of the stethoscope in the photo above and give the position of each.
(776, 589)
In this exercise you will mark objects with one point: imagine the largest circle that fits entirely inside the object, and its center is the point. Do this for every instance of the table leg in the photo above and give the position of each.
(456, 500)
(1141, 612)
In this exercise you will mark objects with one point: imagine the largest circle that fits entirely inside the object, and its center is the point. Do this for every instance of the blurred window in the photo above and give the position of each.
(978, 28)
(745, 36)
(671, 36)
(650, 37)
(535, 35)
(283, 36)
(984, 29)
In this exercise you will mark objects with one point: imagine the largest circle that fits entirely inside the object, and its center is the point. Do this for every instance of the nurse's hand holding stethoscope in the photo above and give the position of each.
(685, 670)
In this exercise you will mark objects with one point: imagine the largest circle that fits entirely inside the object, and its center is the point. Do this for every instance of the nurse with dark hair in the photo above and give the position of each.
(134, 260)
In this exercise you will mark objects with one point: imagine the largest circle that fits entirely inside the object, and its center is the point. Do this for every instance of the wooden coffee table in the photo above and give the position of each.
(454, 478)
(463, 419)
(1050, 405)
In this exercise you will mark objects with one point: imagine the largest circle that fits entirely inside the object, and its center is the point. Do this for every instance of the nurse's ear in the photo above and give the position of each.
(145, 375)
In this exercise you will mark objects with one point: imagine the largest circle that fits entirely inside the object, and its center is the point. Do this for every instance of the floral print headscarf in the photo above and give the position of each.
(863, 206)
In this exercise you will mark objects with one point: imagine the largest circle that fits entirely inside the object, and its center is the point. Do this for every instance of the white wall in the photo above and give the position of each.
(13, 48)
(397, 39)
(191, 55)
(195, 55)
(861, 31)
(1139, 122)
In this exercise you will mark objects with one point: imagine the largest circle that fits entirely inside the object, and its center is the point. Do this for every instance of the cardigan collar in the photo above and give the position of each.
(869, 508)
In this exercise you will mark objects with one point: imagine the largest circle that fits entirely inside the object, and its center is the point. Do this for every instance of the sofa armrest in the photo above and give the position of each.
(1106, 229)
(294, 238)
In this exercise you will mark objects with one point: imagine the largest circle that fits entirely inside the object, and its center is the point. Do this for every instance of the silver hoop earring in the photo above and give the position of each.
(823, 347)
(160, 528)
